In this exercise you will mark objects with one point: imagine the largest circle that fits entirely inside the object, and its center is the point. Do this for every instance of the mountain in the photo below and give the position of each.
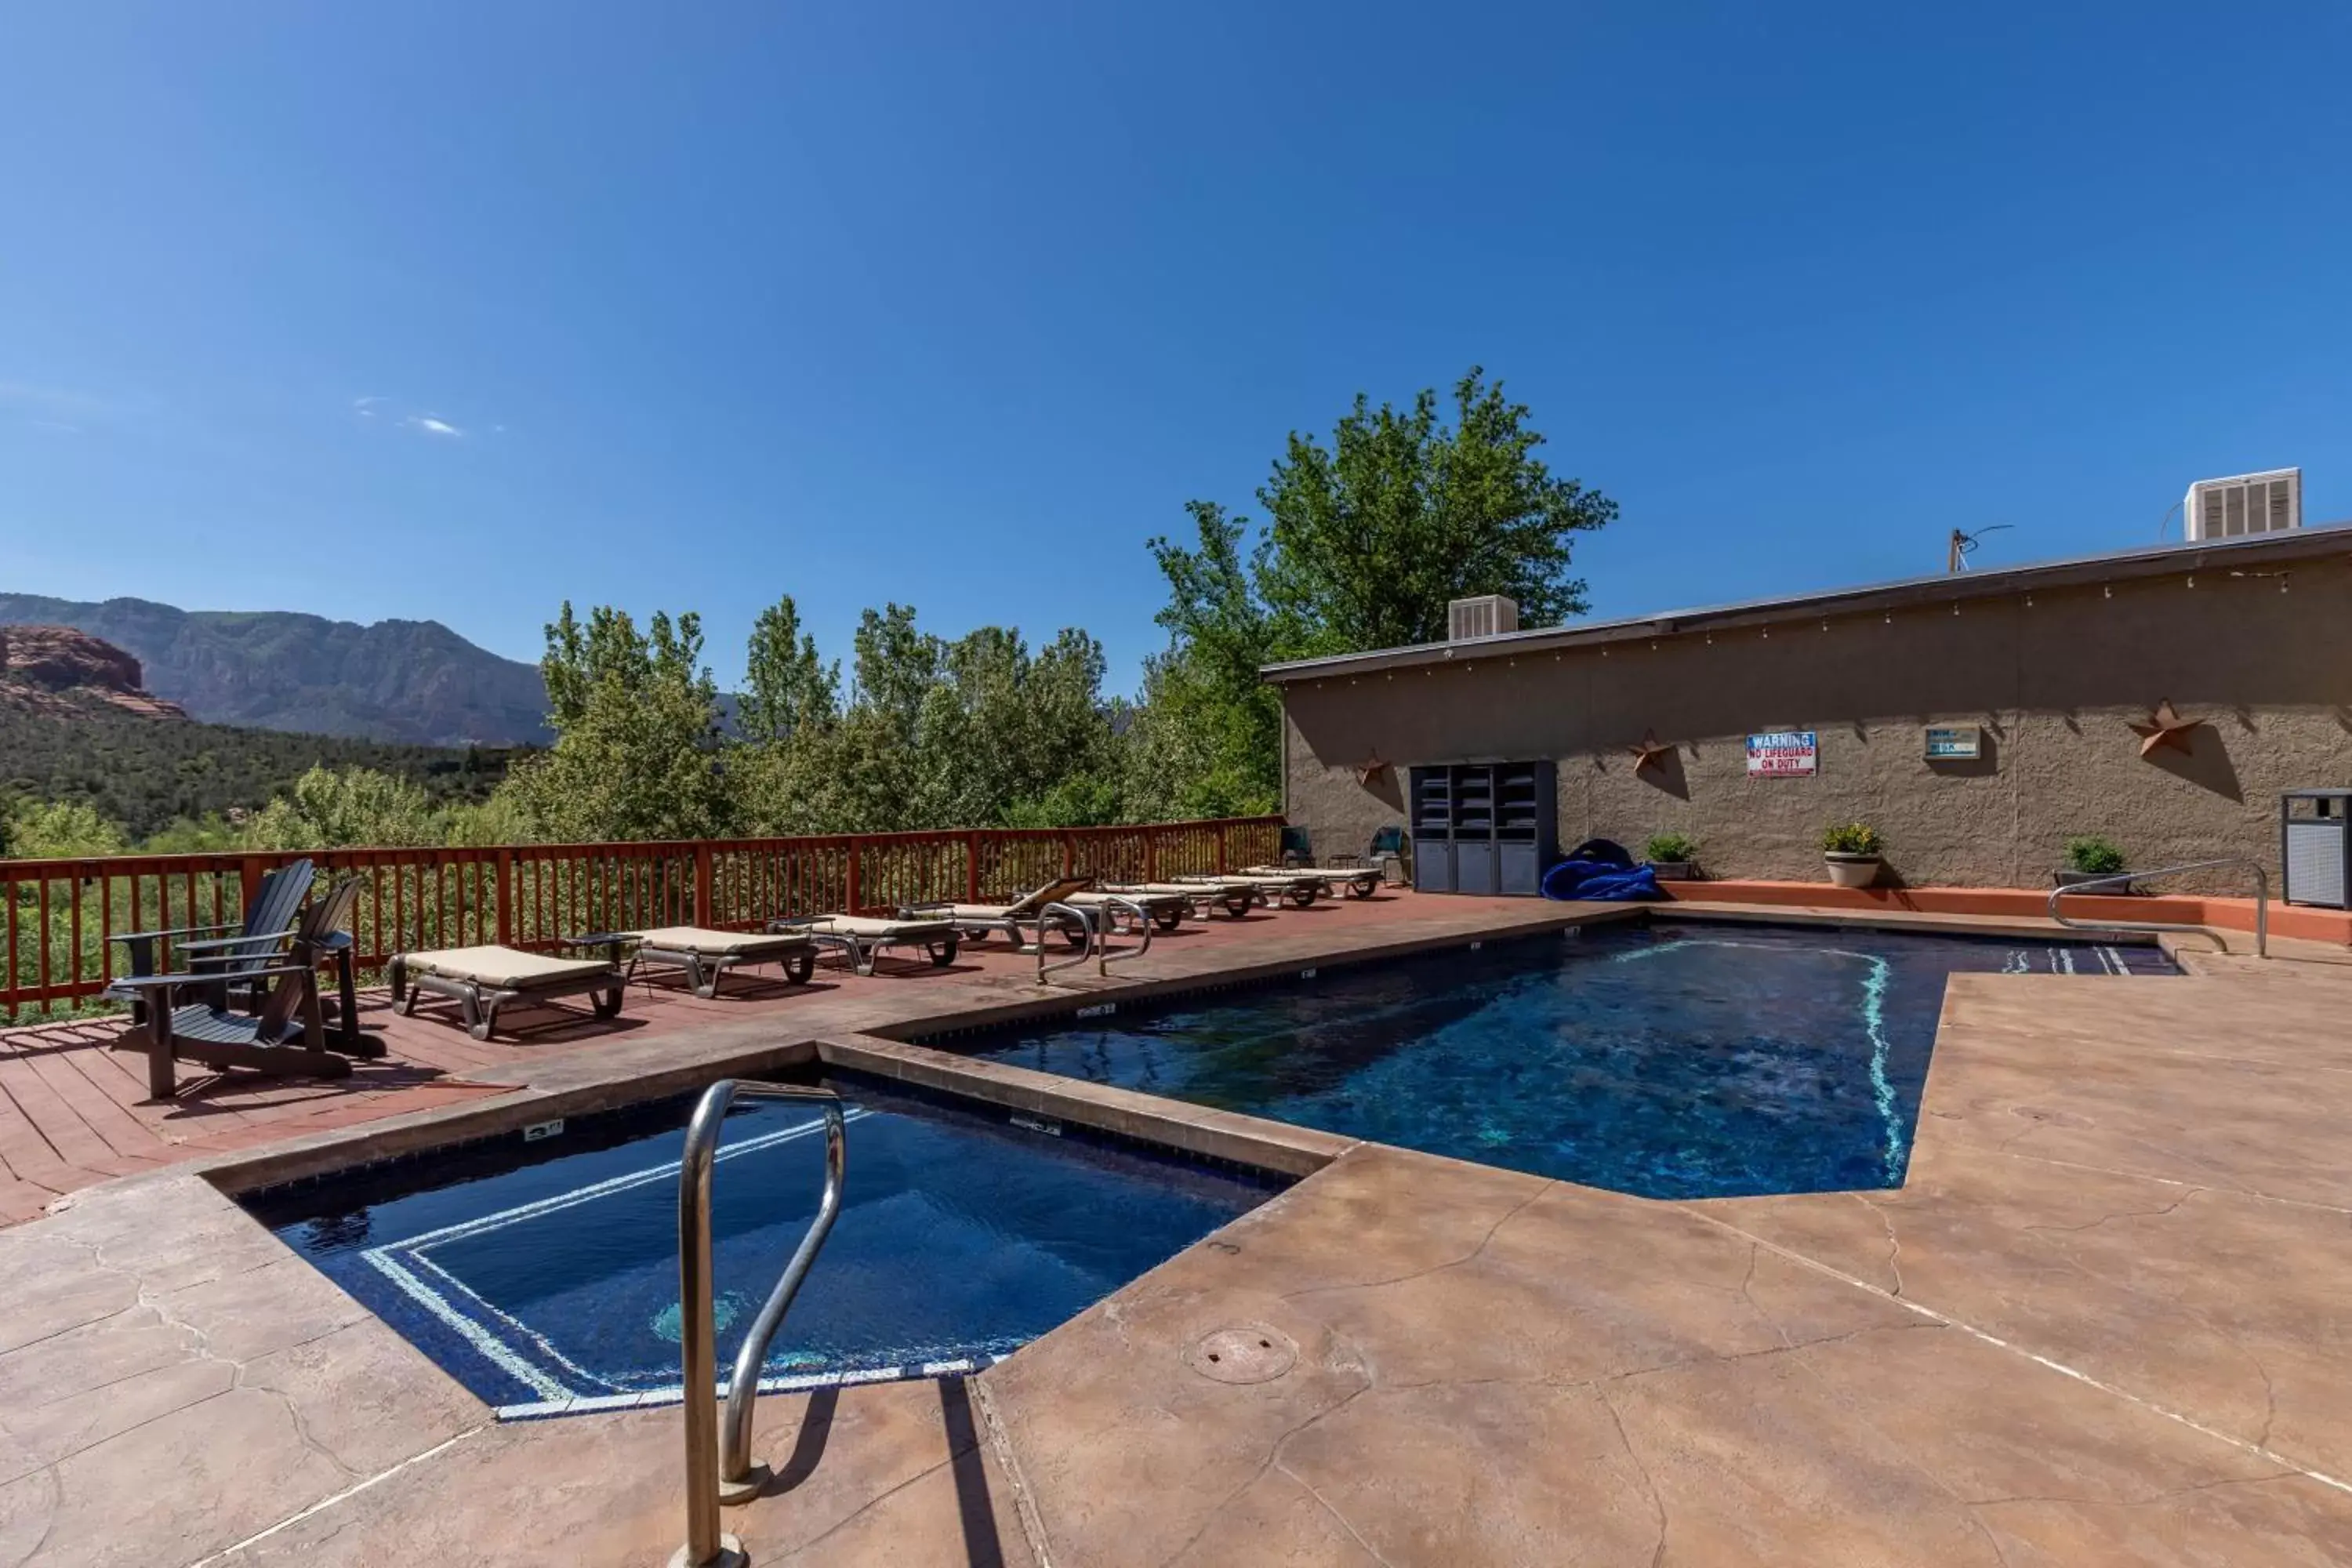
(58, 672)
(412, 681)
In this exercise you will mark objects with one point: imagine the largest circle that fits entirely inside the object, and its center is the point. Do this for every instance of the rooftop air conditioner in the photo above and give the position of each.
(1489, 615)
(2246, 503)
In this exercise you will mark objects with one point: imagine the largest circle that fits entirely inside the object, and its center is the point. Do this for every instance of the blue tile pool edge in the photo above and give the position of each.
(798, 1383)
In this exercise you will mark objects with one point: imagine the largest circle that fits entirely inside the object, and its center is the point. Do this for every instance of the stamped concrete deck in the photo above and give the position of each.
(2101, 1324)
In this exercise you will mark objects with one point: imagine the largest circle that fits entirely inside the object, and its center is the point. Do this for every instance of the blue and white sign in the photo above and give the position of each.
(1783, 754)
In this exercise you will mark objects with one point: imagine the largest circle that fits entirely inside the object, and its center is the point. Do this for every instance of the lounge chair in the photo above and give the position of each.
(1165, 910)
(1235, 895)
(1025, 920)
(1301, 887)
(1359, 882)
(705, 956)
(861, 938)
(230, 961)
(482, 980)
(289, 1037)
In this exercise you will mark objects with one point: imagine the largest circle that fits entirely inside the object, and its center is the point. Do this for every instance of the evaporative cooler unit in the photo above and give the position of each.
(2315, 847)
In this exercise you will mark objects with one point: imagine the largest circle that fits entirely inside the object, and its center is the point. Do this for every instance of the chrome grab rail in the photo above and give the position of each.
(2261, 901)
(709, 1480)
(1086, 923)
(1142, 923)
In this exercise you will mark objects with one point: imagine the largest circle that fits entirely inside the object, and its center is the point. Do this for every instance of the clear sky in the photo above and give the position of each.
(451, 310)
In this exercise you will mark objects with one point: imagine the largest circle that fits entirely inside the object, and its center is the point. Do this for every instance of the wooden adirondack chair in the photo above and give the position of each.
(288, 1038)
(229, 960)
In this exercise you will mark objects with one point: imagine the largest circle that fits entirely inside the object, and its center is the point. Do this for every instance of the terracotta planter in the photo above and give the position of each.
(1852, 871)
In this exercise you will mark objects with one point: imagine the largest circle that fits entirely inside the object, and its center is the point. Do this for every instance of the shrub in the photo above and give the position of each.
(1852, 839)
(1670, 847)
(2094, 855)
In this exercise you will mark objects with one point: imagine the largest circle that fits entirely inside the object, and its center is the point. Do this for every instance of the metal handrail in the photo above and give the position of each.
(2261, 901)
(709, 1479)
(1086, 923)
(1142, 923)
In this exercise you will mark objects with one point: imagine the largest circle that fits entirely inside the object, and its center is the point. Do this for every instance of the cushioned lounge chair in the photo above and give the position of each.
(1233, 895)
(704, 955)
(482, 980)
(1025, 919)
(1301, 887)
(289, 1037)
(1358, 881)
(861, 938)
(1165, 910)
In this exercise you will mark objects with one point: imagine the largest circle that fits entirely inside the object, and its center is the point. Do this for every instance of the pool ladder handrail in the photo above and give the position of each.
(1103, 958)
(712, 1479)
(1075, 916)
(2261, 901)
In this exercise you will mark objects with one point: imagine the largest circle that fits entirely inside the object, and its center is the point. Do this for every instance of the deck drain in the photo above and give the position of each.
(1250, 1353)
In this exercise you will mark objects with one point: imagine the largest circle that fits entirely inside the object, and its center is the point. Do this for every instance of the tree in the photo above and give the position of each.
(637, 752)
(787, 688)
(1368, 541)
(59, 830)
(329, 809)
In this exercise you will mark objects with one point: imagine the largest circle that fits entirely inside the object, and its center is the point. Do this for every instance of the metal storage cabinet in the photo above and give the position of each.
(1485, 828)
(2315, 847)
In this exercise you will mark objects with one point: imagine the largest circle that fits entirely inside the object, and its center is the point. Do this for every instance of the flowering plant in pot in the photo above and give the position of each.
(1854, 852)
(2092, 859)
(1672, 855)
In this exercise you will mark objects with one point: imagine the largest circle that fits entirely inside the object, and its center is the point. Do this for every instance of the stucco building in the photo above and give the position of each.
(2160, 698)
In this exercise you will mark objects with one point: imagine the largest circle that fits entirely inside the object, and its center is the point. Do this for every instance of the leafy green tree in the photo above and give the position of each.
(637, 752)
(329, 809)
(787, 688)
(60, 830)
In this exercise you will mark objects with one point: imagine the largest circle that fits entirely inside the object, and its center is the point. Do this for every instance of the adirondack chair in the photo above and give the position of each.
(229, 960)
(288, 1037)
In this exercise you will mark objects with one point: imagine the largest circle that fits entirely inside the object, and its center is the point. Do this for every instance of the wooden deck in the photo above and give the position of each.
(74, 1112)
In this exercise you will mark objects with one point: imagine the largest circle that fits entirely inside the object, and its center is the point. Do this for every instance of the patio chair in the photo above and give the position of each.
(482, 980)
(861, 938)
(704, 955)
(1358, 881)
(1301, 887)
(1165, 910)
(288, 1038)
(1025, 919)
(1236, 896)
(231, 960)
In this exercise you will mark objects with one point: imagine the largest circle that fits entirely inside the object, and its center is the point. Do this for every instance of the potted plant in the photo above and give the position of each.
(2091, 859)
(1853, 852)
(1672, 855)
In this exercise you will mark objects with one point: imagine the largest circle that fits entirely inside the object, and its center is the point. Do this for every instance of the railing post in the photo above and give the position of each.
(850, 897)
(1222, 867)
(1069, 851)
(972, 867)
(506, 897)
(702, 901)
(249, 873)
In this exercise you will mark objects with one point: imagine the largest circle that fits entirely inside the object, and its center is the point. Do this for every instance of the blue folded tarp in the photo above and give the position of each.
(1599, 870)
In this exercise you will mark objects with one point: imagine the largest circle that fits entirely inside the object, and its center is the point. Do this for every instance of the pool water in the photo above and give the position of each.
(544, 1276)
(1666, 1061)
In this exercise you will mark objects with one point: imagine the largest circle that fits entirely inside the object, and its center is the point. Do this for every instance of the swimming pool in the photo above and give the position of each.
(544, 1274)
(1667, 1060)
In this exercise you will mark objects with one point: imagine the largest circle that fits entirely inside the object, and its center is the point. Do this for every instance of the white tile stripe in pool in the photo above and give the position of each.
(787, 1383)
(481, 1336)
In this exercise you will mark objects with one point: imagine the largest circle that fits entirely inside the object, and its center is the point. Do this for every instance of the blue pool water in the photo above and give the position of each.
(547, 1272)
(1667, 1061)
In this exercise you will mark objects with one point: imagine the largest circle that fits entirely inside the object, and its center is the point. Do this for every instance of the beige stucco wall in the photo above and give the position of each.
(2053, 679)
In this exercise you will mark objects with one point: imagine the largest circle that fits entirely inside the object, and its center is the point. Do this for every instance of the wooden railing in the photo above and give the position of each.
(59, 913)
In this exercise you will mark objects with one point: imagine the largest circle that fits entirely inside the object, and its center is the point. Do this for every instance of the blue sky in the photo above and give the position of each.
(453, 310)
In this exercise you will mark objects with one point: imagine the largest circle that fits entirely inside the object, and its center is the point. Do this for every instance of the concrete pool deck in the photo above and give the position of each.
(2101, 1322)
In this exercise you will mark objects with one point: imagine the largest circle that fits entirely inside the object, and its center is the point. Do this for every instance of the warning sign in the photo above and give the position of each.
(1783, 754)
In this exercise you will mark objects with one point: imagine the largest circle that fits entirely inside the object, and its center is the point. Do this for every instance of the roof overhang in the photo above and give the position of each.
(2258, 553)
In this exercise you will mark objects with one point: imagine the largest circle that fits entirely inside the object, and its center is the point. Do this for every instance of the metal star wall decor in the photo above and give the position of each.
(2165, 727)
(1370, 768)
(1650, 752)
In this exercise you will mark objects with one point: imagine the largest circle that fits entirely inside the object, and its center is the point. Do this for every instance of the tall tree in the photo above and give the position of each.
(787, 688)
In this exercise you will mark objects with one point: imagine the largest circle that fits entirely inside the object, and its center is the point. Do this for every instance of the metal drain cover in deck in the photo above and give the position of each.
(1251, 1354)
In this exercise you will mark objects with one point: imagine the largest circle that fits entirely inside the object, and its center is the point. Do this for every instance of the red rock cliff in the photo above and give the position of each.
(59, 670)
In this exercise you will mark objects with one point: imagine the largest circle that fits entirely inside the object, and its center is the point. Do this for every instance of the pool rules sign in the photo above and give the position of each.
(1783, 754)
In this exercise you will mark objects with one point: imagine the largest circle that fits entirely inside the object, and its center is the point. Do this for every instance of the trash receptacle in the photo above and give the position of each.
(2315, 847)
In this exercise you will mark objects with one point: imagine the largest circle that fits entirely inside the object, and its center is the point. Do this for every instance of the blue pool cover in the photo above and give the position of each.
(1671, 1062)
(544, 1277)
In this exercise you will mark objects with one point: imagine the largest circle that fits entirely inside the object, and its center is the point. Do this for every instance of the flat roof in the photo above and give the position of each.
(1945, 587)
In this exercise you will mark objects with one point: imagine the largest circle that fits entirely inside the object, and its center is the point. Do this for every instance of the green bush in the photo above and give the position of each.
(2094, 855)
(1665, 846)
(1852, 839)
